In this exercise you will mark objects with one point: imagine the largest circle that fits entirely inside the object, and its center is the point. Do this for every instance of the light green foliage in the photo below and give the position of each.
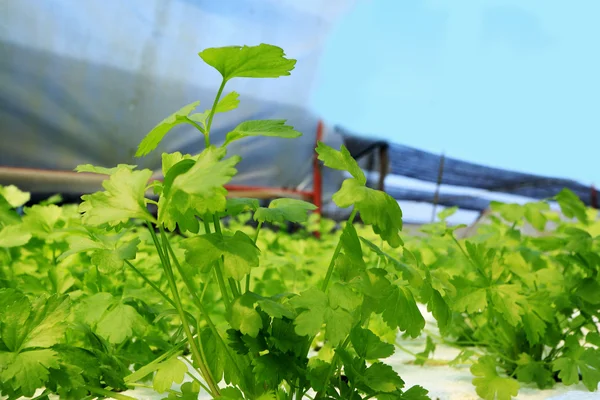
(376, 208)
(156, 135)
(94, 169)
(122, 199)
(318, 310)
(239, 253)
(262, 61)
(341, 160)
(28, 330)
(281, 210)
(196, 188)
(489, 385)
(171, 371)
(108, 253)
(267, 127)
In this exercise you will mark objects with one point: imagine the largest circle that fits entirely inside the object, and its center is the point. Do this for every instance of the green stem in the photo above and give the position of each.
(149, 282)
(212, 111)
(336, 252)
(108, 393)
(332, 368)
(220, 268)
(153, 365)
(255, 240)
(196, 379)
(179, 306)
(198, 303)
(218, 271)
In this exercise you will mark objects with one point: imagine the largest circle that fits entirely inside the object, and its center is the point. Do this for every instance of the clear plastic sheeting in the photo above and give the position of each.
(83, 82)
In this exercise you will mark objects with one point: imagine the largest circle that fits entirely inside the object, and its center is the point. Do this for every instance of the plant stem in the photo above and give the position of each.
(336, 252)
(332, 368)
(108, 393)
(149, 282)
(189, 284)
(218, 268)
(255, 240)
(212, 112)
(178, 305)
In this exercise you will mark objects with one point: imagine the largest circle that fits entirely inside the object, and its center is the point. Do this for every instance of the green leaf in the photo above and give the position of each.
(27, 371)
(447, 213)
(238, 205)
(507, 300)
(534, 214)
(244, 316)
(230, 393)
(156, 135)
(239, 253)
(14, 235)
(282, 210)
(571, 206)
(589, 291)
(401, 311)
(107, 253)
(488, 384)
(338, 323)
(275, 309)
(25, 325)
(14, 196)
(171, 371)
(382, 378)
(424, 355)
(118, 324)
(472, 302)
(531, 371)
(228, 102)
(341, 160)
(214, 353)
(579, 360)
(267, 127)
(409, 273)
(199, 190)
(314, 302)
(368, 345)
(94, 169)
(440, 310)
(593, 338)
(343, 296)
(415, 393)
(40, 220)
(511, 212)
(122, 199)
(316, 373)
(376, 208)
(91, 309)
(262, 61)
(314, 309)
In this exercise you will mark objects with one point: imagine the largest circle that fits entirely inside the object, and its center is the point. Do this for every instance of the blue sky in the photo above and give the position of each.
(507, 83)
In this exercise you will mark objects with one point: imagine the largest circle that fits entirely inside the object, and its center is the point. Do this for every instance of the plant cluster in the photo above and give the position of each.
(524, 307)
(92, 293)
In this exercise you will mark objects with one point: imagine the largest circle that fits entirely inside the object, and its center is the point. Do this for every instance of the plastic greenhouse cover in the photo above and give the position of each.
(83, 82)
